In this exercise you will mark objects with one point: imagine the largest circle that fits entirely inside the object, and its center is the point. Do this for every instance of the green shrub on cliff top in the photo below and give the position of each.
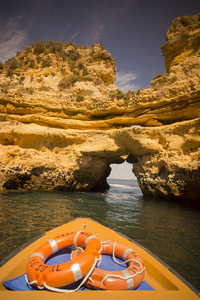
(39, 47)
(9, 73)
(185, 21)
(196, 43)
(69, 81)
(54, 47)
(12, 63)
(57, 48)
(46, 63)
(116, 94)
(158, 75)
(73, 55)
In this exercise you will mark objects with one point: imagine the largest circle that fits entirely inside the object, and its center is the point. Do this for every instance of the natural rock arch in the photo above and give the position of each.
(64, 123)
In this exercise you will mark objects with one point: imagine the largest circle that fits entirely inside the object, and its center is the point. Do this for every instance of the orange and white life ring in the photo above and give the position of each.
(64, 274)
(127, 279)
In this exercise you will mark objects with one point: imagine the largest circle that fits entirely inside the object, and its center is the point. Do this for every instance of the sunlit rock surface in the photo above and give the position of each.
(63, 121)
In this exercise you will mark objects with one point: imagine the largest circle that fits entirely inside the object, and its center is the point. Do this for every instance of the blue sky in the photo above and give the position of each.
(131, 30)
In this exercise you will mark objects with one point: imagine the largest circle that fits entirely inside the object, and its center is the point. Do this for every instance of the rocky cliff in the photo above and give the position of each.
(63, 121)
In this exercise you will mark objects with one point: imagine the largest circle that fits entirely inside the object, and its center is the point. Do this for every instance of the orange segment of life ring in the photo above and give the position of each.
(127, 279)
(64, 274)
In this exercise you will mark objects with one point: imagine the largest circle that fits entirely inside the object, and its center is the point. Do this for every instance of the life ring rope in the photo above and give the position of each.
(71, 291)
(128, 260)
(120, 277)
(30, 282)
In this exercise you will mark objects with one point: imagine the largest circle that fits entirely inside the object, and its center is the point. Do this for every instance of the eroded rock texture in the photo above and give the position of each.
(63, 121)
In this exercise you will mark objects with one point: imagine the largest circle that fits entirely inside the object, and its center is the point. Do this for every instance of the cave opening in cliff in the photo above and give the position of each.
(122, 171)
(122, 180)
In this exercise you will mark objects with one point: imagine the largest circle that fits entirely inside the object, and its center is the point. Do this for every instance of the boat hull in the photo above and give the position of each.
(165, 283)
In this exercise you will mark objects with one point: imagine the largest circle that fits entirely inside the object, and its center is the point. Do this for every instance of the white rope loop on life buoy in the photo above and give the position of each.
(74, 290)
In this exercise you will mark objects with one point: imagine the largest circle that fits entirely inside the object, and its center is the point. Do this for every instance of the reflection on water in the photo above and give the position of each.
(167, 229)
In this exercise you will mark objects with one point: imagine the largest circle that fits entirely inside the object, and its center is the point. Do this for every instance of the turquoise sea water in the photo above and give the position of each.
(170, 231)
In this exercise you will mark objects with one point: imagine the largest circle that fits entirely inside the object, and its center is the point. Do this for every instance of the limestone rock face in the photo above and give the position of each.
(64, 122)
(182, 40)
